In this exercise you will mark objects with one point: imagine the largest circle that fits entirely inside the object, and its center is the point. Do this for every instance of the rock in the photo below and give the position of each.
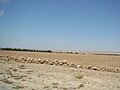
(94, 68)
(89, 67)
(78, 66)
(72, 65)
(60, 63)
(118, 70)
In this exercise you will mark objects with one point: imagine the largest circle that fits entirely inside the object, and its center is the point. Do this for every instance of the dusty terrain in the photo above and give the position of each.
(30, 76)
(81, 59)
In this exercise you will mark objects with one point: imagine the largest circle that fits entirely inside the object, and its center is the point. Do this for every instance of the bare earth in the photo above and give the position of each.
(30, 76)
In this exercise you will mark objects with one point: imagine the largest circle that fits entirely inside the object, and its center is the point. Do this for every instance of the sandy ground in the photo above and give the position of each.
(88, 59)
(23, 76)
(46, 77)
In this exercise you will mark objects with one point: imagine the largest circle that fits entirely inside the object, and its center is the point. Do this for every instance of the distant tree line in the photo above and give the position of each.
(29, 50)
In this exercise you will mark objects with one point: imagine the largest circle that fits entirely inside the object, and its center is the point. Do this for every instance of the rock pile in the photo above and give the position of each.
(37, 61)
(55, 62)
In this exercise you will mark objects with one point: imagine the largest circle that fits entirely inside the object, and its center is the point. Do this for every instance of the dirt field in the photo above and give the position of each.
(29, 76)
(81, 59)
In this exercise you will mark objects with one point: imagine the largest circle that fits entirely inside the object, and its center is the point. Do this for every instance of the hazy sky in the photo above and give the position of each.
(78, 25)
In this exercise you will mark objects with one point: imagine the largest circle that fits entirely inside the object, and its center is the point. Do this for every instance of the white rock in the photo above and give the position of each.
(78, 66)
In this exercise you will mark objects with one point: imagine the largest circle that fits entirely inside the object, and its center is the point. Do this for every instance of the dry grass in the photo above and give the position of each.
(9, 72)
(22, 67)
(64, 88)
(5, 80)
(79, 76)
(18, 77)
(80, 86)
(14, 69)
(18, 87)
(54, 83)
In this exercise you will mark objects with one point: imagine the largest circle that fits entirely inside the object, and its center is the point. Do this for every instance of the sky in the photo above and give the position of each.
(73, 25)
